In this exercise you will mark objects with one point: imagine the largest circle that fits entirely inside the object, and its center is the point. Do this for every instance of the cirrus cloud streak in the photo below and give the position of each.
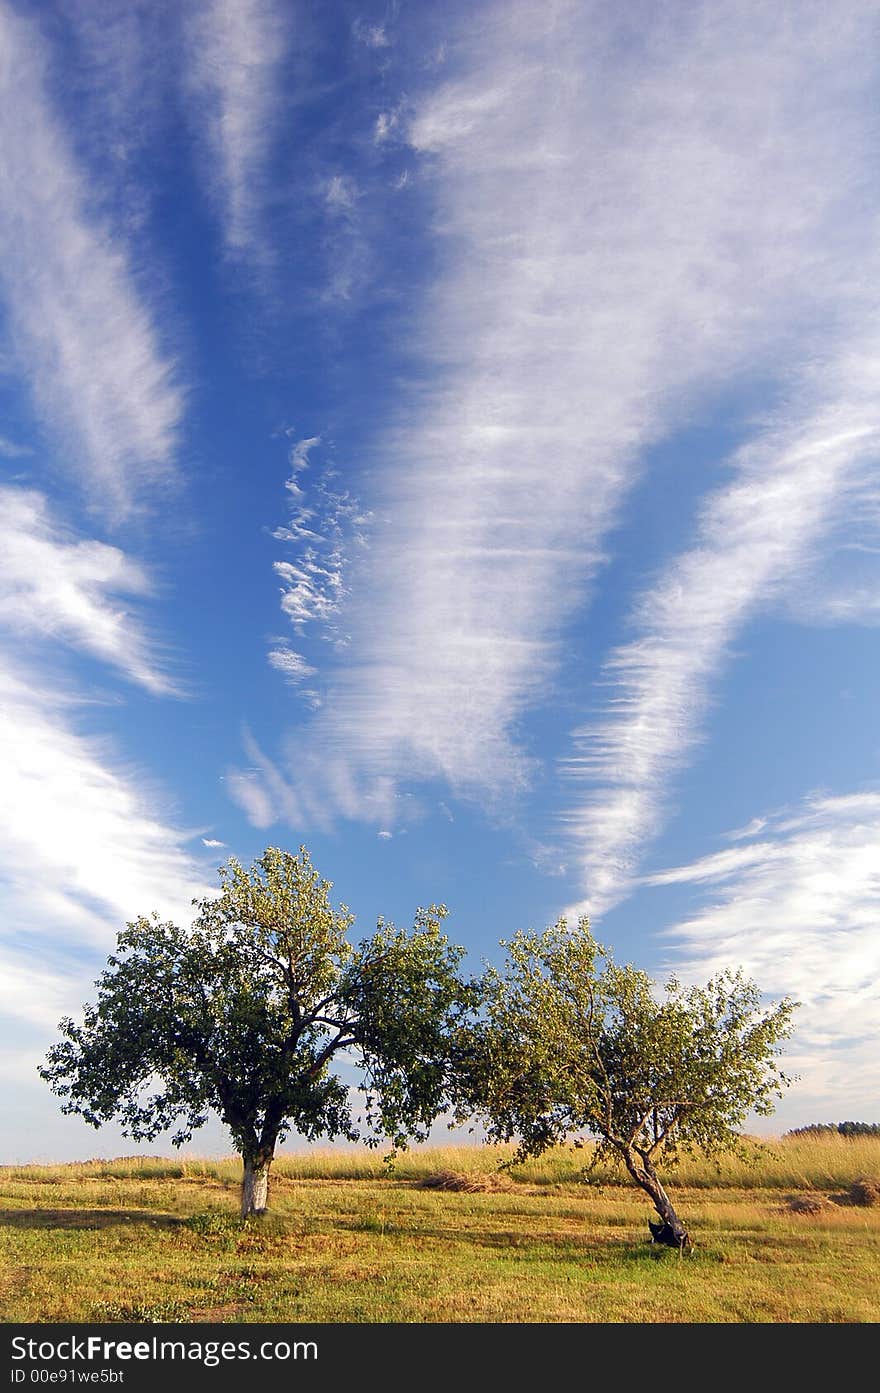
(792, 487)
(798, 910)
(608, 261)
(83, 334)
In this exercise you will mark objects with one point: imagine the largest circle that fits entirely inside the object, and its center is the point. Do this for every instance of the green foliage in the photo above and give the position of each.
(216, 1223)
(571, 1043)
(140, 1313)
(409, 1002)
(244, 1013)
(843, 1129)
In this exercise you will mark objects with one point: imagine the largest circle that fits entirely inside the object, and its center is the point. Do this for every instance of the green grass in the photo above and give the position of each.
(159, 1240)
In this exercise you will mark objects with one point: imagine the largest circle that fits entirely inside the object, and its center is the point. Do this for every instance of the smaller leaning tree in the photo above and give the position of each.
(245, 1013)
(569, 1043)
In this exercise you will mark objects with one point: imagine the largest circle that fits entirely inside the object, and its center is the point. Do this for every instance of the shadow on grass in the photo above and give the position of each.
(592, 1247)
(613, 1243)
(84, 1218)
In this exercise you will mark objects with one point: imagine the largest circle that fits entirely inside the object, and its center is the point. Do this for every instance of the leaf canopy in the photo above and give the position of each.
(569, 1042)
(244, 1013)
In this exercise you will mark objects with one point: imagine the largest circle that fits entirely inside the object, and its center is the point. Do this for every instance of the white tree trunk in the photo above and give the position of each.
(254, 1186)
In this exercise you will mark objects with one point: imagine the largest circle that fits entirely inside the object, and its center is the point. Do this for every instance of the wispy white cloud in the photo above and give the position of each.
(299, 459)
(260, 789)
(754, 535)
(36, 994)
(858, 605)
(324, 787)
(349, 252)
(85, 338)
(326, 526)
(387, 123)
(10, 450)
(77, 824)
(212, 843)
(843, 586)
(236, 50)
(751, 829)
(371, 35)
(291, 665)
(311, 592)
(675, 217)
(252, 792)
(55, 586)
(119, 65)
(341, 195)
(83, 848)
(799, 912)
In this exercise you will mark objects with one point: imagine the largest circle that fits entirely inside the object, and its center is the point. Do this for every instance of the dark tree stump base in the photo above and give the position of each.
(665, 1233)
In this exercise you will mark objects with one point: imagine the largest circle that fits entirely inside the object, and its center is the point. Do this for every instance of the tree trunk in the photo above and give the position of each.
(671, 1230)
(255, 1185)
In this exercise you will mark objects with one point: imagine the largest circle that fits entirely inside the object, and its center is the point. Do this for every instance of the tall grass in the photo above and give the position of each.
(767, 1163)
(825, 1162)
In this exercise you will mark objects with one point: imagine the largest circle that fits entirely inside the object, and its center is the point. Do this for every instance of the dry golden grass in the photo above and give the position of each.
(826, 1162)
(346, 1240)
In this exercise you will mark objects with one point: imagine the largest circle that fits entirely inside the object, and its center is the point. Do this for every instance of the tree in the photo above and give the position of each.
(842, 1129)
(570, 1043)
(244, 1013)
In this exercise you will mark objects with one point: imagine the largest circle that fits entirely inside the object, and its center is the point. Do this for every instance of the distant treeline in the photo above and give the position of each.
(844, 1129)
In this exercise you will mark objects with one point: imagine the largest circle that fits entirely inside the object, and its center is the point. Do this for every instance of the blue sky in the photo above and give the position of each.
(445, 437)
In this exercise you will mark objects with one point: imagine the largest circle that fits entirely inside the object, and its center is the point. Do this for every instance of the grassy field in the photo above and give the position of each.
(159, 1240)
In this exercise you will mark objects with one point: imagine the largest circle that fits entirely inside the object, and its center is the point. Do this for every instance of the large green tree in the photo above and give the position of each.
(244, 1013)
(569, 1043)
